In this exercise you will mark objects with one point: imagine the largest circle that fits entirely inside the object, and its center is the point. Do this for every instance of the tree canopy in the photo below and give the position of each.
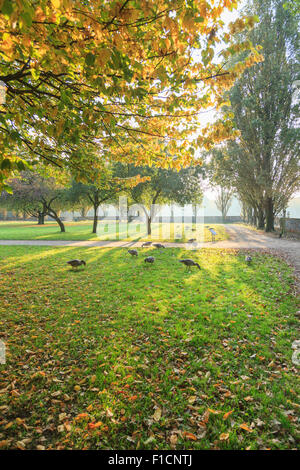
(128, 78)
(262, 164)
(161, 186)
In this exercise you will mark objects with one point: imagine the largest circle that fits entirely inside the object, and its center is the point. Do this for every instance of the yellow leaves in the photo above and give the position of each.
(56, 3)
(157, 414)
(103, 57)
(192, 400)
(21, 445)
(248, 398)
(224, 436)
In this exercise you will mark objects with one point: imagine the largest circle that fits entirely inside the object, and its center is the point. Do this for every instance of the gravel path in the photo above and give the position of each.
(240, 238)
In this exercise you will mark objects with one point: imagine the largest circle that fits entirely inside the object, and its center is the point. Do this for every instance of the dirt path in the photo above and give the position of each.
(240, 238)
(243, 237)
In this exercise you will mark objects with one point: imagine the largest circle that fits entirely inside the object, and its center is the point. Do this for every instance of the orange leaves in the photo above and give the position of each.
(95, 425)
(82, 416)
(226, 415)
(245, 427)
(189, 435)
(133, 398)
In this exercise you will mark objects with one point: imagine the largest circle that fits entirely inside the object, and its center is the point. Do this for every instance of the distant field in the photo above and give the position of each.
(109, 231)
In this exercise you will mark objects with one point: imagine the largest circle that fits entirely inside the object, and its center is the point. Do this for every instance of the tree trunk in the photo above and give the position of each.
(61, 224)
(54, 216)
(41, 218)
(261, 219)
(95, 223)
(148, 225)
(269, 215)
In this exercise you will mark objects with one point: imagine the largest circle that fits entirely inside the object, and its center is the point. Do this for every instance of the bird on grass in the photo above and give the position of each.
(150, 259)
(146, 244)
(248, 259)
(158, 245)
(189, 263)
(133, 252)
(75, 263)
(191, 240)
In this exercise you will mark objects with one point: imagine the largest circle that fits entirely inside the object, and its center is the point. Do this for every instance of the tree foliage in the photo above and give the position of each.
(118, 76)
(161, 186)
(36, 195)
(262, 164)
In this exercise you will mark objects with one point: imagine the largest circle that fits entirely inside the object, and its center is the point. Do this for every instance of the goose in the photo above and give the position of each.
(75, 263)
(189, 263)
(133, 252)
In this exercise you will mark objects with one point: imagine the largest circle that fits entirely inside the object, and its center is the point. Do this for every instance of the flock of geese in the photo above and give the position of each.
(75, 263)
(189, 263)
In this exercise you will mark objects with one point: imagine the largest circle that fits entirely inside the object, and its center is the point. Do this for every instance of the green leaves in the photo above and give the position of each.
(90, 59)
(7, 7)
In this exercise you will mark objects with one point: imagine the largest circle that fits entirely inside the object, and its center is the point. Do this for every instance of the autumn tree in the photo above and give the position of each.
(128, 76)
(109, 182)
(37, 196)
(262, 164)
(162, 186)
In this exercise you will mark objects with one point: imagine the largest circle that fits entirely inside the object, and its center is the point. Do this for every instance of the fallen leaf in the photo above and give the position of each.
(157, 414)
(190, 436)
(246, 427)
(226, 415)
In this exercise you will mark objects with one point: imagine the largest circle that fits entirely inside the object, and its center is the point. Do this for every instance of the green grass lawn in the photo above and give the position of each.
(120, 355)
(108, 231)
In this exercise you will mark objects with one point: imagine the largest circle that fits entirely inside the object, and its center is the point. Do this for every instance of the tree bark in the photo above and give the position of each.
(269, 215)
(54, 216)
(41, 218)
(95, 222)
(261, 219)
(148, 225)
(58, 220)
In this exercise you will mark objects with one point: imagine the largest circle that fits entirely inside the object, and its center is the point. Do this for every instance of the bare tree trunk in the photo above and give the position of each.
(261, 219)
(269, 215)
(57, 219)
(95, 222)
(148, 225)
(41, 218)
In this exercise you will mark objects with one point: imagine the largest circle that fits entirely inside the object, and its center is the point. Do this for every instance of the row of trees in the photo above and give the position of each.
(262, 164)
(39, 195)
